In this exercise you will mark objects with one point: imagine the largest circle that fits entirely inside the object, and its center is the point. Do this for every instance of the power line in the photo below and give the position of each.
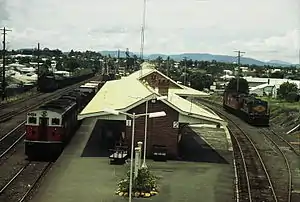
(238, 74)
(5, 30)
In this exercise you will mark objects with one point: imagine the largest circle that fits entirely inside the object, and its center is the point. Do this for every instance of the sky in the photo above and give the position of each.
(264, 29)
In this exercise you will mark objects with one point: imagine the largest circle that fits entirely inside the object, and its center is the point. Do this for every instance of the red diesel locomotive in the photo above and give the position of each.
(50, 127)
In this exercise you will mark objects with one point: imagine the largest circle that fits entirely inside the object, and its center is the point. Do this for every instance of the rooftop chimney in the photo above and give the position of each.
(163, 86)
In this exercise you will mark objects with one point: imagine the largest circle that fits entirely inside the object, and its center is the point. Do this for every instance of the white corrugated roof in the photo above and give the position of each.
(189, 108)
(117, 94)
(129, 92)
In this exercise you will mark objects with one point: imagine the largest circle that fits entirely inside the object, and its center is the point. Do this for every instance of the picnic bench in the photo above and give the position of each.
(118, 155)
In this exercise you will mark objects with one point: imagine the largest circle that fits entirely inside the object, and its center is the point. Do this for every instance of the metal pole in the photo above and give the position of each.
(238, 74)
(131, 157)
(184, 83)
(168, 66)
(145, 138)
(143, 30)
(4, 62)
(3, 68)
(38, 64)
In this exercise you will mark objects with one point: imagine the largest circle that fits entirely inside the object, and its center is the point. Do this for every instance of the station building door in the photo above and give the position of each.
(112, 133)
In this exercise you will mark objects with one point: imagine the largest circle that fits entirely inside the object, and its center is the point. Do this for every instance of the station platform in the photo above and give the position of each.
(83, 173)
(214, 139)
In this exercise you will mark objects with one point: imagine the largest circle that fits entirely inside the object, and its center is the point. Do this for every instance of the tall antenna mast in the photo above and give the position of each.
(143, 34)
(143, 30)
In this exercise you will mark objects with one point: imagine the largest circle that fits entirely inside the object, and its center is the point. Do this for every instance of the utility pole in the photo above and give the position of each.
(184, 82)
(118, 65)
(238, 74)
(168, 59)
(127, 61)
(106, 63)
(3, 57)
(38, 58)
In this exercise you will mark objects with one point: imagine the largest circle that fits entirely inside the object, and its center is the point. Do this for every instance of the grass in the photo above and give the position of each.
(18, 97)
(280, 103)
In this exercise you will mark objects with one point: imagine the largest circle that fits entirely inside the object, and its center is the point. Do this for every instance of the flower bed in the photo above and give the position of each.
(144, 185)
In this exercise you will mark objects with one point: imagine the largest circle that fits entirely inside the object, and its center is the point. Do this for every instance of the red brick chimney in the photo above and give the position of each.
(163, 86)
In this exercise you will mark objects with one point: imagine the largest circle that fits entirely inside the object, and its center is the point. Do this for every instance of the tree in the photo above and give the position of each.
(71, 65)
(200, 81)
(243, 85)
(59, 66)
(285, 89)
(277, 74)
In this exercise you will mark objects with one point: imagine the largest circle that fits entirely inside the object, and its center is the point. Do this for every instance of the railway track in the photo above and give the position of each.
(18, 101)
(254, 179)
(30, 103)
(281, 157)
(8, 141)
(284, 149)
(22, 183)
(255, 182)
(12, 138)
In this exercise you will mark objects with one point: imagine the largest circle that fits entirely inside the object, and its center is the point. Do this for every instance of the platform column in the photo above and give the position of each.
(140, 144)
(137, 161)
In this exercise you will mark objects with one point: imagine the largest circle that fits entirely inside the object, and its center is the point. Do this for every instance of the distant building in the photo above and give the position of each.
(63, 73)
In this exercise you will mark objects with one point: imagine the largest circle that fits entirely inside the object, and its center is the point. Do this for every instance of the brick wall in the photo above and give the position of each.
(160, 130)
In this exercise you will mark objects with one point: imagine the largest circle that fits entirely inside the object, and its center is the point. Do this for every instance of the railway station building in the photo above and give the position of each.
(130, 94)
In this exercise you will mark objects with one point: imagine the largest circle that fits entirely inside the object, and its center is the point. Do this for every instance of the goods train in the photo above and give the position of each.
(50, 82)
(51, 126)
(253, 110)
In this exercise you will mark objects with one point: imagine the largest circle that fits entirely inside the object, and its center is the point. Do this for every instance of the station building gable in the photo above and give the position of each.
(160, 130)
(156, 80)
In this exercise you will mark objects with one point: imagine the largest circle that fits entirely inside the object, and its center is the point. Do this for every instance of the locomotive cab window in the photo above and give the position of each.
(32, 120)
(55, 121)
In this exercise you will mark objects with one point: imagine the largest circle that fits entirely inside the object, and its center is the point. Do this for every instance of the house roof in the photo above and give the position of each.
(129, 92)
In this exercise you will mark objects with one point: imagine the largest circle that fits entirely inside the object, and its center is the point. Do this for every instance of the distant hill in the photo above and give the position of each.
(205, 57)
(279, 62)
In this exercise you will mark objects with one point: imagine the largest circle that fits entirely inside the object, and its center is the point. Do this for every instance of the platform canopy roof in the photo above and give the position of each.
(129, 92)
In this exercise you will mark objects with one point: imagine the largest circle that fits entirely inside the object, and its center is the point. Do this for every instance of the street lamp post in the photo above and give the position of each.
(146, 128)
(134, 116)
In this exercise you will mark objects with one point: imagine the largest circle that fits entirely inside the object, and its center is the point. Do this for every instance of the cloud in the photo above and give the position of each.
(3, 11)
(264, 29)
(284, 46)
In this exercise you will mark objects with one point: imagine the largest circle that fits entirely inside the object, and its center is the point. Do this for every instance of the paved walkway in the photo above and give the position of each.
(90, 179)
